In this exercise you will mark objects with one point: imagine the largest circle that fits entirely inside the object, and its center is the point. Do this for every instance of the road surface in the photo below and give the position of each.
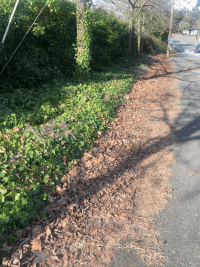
(184, 43)
(179, 223)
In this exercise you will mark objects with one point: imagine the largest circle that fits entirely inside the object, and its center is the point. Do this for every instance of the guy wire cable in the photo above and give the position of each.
(24, 36)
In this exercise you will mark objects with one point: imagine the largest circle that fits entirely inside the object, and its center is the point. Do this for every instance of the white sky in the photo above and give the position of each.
(189, 4)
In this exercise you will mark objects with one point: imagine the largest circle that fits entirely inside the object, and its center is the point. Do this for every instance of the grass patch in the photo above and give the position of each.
(43, 130)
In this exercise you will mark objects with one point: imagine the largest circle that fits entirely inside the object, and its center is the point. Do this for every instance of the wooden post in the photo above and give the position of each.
(170, 27)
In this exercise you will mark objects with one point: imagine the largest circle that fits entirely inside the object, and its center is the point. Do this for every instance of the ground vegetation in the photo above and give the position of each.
(49, 114)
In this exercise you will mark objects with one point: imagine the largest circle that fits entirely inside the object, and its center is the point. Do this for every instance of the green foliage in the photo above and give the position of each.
(83, 63)
(27, 183)
(12, 238)
(109, 38)
(178, 17)
(159, 45)
(34, 91)
(47, 51)
(191, 18)
(185, 26)
(152, 44)
(155, 23)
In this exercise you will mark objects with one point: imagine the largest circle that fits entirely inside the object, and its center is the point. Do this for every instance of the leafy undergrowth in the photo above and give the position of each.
(44, 130)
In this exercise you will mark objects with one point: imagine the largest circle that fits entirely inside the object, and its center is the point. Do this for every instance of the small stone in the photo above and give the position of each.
(15, 260)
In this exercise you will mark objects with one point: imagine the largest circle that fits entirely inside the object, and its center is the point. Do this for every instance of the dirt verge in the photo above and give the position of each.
(116, 189)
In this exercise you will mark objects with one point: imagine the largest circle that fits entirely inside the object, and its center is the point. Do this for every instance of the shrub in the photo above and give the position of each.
(152, 44)
(110, 38)
(47, 50)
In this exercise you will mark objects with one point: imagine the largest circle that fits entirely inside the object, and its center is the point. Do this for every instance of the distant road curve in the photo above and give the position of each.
(183, 42)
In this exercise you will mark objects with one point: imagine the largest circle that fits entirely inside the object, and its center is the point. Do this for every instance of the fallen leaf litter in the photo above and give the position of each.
(116, 189)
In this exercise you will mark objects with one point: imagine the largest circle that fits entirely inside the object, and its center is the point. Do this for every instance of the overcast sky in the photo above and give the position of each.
(179, 4)
(189, 4)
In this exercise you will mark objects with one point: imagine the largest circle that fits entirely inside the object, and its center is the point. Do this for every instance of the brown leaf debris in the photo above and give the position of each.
(118, 187)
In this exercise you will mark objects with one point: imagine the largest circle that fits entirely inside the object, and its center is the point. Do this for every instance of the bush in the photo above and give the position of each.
(110, 38)
(152, 44)
(47, 50)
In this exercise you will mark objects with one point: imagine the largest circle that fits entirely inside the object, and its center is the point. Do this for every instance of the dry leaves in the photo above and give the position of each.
(190, 173)
(62, 201)
(37, 229)
(6, 247)
(48, 232)
(36, 245)
(14, 158)
(16, 129)
(117, 188)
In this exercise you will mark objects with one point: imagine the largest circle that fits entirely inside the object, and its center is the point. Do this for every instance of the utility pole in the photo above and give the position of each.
(170, 27)
(11, 17)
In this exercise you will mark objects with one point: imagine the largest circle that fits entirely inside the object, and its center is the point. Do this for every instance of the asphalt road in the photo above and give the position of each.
(183, 42)
(179, 223)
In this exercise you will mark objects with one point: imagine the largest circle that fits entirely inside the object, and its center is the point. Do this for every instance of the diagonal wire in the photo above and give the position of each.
(24, 36)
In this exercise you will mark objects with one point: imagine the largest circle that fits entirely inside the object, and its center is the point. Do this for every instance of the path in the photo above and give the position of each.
(118, 187)
(180, 222)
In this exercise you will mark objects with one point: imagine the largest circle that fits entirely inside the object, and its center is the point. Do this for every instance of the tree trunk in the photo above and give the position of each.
(142, 32)
(139, 29)
(130, 35)
(80, 10)
(130, 30)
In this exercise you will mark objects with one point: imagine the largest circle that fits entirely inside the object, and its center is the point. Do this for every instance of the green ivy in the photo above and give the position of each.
(86, 108)
(35, 88)
(83, 63)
